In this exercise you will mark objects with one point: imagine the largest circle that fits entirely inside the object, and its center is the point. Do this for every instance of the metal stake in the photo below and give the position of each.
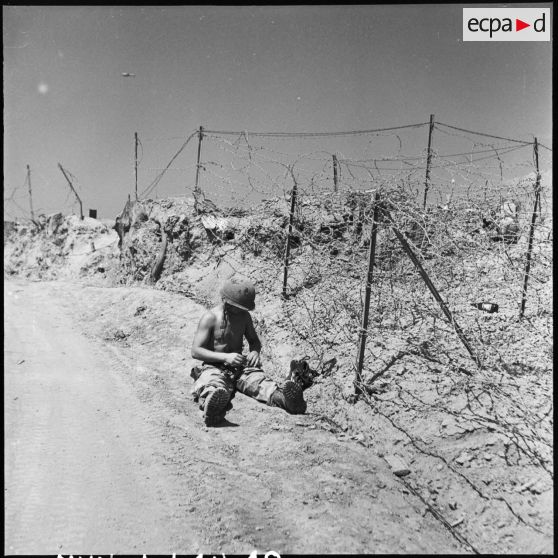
(289, 235)
(136, 162)
(428, 159)
(364, 325)
(73, 190)
(30, 193)
(433, 289)
(335, 173)
(200, 137)
(531, 231)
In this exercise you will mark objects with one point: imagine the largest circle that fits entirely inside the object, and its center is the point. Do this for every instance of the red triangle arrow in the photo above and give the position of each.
(519, 25)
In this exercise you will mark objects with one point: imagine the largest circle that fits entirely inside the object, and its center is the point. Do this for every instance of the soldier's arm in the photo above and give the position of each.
(254, 343)
(251, 336)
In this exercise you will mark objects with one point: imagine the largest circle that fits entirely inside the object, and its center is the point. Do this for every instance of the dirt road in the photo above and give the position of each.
(104, 454)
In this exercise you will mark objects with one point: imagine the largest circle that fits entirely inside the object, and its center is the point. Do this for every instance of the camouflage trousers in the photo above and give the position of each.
(250, 381)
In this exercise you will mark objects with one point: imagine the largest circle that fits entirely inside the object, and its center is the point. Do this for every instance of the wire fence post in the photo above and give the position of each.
(200, 137)
(428, 160)
(335, 173)
(432, 289)
(531, 230)
(289, 234)
(30, 193)
(136, 162)
(366, 310)
(73, 190)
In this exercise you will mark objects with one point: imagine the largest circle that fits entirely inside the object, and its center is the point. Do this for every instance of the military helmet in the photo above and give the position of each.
(239, 293)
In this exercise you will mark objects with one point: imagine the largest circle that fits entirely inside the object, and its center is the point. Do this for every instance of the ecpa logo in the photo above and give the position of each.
(506, 24)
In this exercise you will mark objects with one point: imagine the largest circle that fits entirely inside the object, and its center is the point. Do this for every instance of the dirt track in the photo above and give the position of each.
(101, 457)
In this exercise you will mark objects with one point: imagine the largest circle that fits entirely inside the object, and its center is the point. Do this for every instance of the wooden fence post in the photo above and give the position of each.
(428, 160)
(366, 310)
(289, 234)
(531, 231)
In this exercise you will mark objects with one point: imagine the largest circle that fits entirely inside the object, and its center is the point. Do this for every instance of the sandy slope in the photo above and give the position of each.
(105, 452)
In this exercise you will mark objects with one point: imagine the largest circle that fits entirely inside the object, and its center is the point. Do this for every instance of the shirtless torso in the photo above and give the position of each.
(220, 337)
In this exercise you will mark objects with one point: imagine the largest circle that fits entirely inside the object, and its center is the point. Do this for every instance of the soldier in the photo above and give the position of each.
(218, 342)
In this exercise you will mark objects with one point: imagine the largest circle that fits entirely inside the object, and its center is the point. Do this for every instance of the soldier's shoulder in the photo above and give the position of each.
(210, 316)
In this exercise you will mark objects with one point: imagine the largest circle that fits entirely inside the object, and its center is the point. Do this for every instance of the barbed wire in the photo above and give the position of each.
(481, 133)
(158, 178)
(307, 135)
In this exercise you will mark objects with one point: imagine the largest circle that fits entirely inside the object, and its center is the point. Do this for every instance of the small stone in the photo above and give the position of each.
(398, 466)
(487, 456)
(457, 522)
(453, 505)
(462, 458)
(502, 525)
(527, 485)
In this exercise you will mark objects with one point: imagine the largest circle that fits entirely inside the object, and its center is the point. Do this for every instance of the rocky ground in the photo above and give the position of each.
(477, 442)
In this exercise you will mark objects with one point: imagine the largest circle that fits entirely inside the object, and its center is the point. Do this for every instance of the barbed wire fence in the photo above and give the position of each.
(302, 208)
(462, 224)
(18, 204)
(420, 236)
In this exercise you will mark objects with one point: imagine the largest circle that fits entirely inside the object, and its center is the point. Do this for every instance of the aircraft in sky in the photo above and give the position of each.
(128, 74)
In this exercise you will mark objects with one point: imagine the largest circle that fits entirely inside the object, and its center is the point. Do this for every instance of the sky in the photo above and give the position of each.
(257, 68)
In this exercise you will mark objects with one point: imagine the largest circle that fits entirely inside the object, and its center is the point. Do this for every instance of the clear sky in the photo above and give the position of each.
(267, 68)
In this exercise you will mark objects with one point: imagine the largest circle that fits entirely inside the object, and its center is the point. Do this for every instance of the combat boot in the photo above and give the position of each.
(301, 373)
(216, 404)
(290, 398)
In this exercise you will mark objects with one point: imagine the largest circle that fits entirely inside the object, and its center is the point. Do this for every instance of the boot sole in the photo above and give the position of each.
(215, 406)
(294, 398)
